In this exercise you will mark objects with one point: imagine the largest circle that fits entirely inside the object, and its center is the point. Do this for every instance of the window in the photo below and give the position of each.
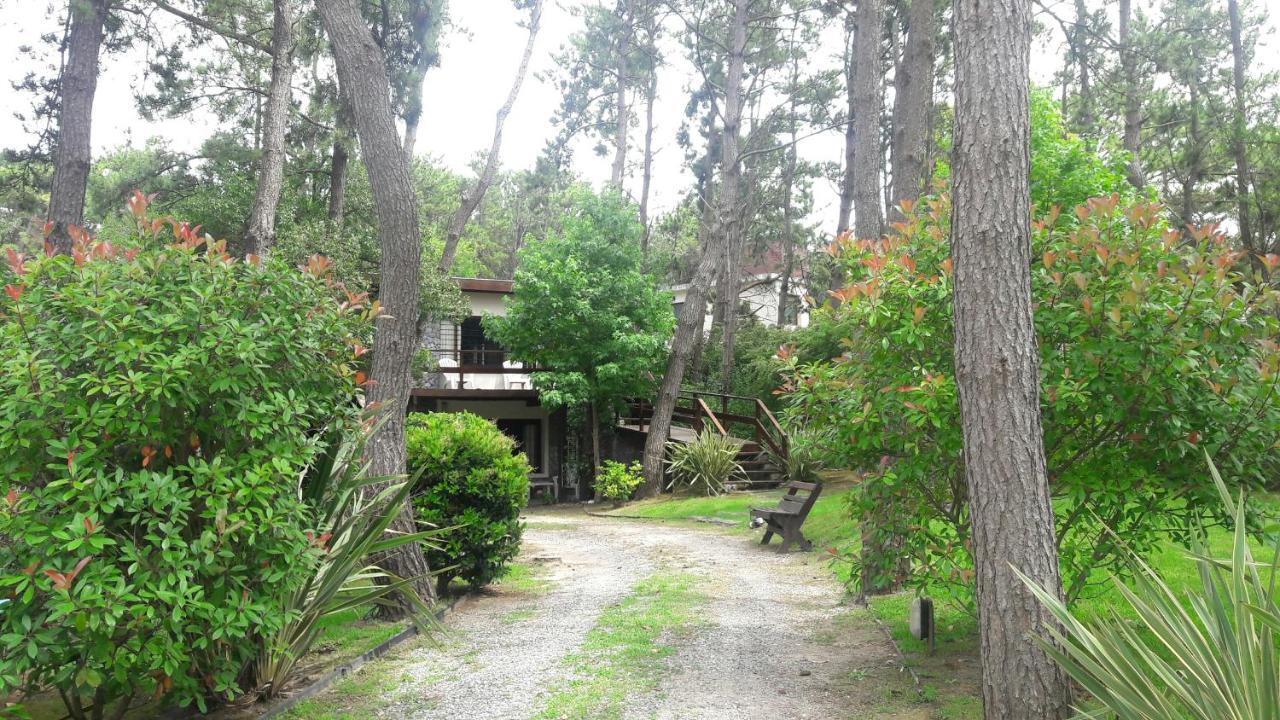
(476, 348)
(528, 437)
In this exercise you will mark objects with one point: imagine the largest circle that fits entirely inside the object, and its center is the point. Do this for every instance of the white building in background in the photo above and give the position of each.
(760, 294)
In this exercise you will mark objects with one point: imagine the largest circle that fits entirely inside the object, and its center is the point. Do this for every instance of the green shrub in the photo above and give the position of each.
(157, 407)
(704, 465)
(470, 481)
(1212, 654)
(616, 481)
(1154, 345)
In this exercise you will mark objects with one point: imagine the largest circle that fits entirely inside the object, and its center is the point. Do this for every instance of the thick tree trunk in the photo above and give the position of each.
(424, 23)
(472, 199)
(850, 141)
(694, 313)
(260, 230)
(868, 218)
(913, 104)
(73, 153)
(997, 361)
(362, 73)
(1132, 98)
(729, 220)
(1239, 128)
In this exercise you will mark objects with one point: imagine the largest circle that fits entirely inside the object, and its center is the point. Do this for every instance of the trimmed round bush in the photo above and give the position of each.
(468, 476)
(158, 405)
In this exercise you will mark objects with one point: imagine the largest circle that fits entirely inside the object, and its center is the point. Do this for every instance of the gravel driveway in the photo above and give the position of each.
(774, 638)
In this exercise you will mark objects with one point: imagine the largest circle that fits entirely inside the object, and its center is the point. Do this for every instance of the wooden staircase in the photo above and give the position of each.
(746, 419)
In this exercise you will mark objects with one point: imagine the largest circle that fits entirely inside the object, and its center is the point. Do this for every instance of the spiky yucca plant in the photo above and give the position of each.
(1211, 655)
(705, 464)
(352, 520)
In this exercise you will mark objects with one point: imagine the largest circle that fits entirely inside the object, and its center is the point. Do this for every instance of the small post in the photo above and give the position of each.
(921, 622)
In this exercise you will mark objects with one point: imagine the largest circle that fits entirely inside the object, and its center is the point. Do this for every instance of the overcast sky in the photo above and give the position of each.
(461, 97)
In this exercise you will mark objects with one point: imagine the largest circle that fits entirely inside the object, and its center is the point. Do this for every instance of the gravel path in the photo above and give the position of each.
(773, 640)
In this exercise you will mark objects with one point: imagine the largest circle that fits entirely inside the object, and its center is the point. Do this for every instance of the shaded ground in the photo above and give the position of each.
(610, 618)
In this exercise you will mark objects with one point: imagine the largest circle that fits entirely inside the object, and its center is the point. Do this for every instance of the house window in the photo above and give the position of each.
(528, 437)
(476, 349)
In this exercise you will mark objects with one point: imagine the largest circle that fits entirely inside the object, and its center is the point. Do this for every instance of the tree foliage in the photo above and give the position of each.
(1152, 348)
(159, 401)
(584, 312)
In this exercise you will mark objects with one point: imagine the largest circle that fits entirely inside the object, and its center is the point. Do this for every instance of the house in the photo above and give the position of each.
(760, 293)
(474, 374)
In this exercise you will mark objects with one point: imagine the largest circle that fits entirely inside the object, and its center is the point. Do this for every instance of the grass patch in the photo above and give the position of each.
(624, 653)
(375, 686)
(348, 635)
(518, 616)
(524, 578)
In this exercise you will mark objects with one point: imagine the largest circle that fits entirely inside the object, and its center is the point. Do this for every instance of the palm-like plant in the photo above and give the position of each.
(1211, 655)
(353, 519)
(705, 464)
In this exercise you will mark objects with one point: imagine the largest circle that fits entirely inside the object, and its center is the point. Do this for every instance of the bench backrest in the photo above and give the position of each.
(800, 504)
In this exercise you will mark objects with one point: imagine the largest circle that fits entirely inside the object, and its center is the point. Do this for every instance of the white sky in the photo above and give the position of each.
(461, 97)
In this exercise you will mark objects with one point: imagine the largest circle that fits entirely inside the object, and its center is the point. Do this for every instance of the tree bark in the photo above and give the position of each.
(646, 182)
(623, 110)
(1132, 98)
(1239, 128)
(1080, 44)
(1194, 157)
(472, 199)
(74, 153)
(868, 218)
(693, 314)
(913, 104)
(997, 361)
(850, 141)
(338, 164)
(729, 220)
(788, 185)
(260, 230)
(362, 72)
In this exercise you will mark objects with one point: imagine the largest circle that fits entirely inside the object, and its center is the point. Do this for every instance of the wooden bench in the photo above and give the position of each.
(786, 519)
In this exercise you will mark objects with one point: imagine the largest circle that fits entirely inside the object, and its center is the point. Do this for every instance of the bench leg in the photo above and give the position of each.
(768, 535)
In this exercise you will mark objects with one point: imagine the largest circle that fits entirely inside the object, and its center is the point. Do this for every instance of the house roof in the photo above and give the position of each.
(486, 285)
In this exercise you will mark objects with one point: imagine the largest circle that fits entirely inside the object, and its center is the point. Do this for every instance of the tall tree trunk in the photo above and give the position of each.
(73, 153)
(1194, 156)
(1132, 98)
(473, 198)
(646, 183)
(338, 164)
(424, 24)
(729, 212)
(694, 313)
(1084, 112)
(913, 104)
(623, 114)
(788, 185)
(1239, 127)
(868, 219)
(997, 361)
(850, 140)
(362, 72)
(260, 230)
(881, 554)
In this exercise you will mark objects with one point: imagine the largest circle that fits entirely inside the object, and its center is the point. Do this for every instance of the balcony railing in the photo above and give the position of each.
(481, 369)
